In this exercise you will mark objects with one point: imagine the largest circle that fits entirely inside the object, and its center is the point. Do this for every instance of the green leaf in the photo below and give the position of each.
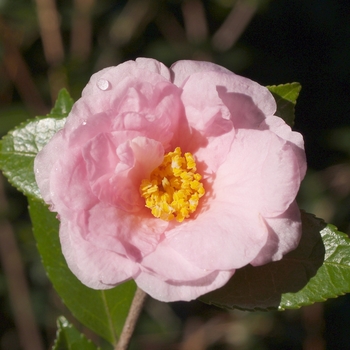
(103, 311)
(263, 287)
(20, 146)
(69, 338)
(286, 97)
(63, 105)
(332, 279)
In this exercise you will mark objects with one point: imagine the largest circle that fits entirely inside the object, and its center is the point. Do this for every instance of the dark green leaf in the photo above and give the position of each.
(69, 338)
(263, 287)
(286, 97)
(102, 311)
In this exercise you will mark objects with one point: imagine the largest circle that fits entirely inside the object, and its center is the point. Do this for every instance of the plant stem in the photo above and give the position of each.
(131, 320)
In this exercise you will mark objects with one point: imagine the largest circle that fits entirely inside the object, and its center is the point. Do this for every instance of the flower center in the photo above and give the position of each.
(174, 188)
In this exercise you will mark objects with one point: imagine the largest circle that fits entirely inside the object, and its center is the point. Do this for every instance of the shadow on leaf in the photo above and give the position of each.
(261, 288)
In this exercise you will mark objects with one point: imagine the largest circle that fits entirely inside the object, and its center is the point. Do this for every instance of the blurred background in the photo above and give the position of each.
(46, 45)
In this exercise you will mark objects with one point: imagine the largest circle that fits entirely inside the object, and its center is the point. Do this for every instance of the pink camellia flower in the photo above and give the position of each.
(174, 177)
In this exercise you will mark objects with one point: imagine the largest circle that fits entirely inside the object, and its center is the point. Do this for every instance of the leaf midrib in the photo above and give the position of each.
(110, 321)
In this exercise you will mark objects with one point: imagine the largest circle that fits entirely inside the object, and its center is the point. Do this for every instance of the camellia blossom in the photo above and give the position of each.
(173, 177)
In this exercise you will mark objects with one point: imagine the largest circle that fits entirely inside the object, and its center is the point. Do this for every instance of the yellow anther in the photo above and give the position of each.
(174, 188)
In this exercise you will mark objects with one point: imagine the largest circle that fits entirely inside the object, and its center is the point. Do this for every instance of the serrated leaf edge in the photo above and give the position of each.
(297, 87)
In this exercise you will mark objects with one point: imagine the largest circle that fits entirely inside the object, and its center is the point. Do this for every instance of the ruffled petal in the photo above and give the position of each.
(261, 173)
(114, 75)
(174, 266)
(95, 267)
(144, 102)
(69, 186)
(132, 235)
(170, 291)
(45, 161)
(210, 118)
(284, 236)
(115, 171)
(222, 237)
(295, 139)
(154, 66)
(183, 69)
(224, 81)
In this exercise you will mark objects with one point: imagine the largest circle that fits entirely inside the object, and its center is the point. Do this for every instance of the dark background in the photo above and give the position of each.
(272, 42)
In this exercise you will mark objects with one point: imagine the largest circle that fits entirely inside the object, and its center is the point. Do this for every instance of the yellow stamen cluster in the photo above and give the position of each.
(174, 188)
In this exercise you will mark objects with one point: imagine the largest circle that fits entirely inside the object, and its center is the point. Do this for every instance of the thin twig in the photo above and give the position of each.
(134, 17)
(131, 320)
(81, 35)
(234, 25)
(18, 71)
(195, 21)
(49, 24)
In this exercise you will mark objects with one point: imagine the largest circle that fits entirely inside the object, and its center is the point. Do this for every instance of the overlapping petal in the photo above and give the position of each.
(174, 291)
(98, 268)
(128, 118)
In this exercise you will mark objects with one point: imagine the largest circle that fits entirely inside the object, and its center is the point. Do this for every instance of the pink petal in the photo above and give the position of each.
(225, 81)
(280, 177)
(170, 291)
(261, 172)
(115, 171)
(131, 235)
(117, 73)
(100, 157)
(284, 236)
(95, 267)
(154, 66)
(45, 161)
(183, 69)
(142, 101)
(88, 127)
(69, 185)
(222, 236)
(173, 265)
(280, 128)
(148, 154)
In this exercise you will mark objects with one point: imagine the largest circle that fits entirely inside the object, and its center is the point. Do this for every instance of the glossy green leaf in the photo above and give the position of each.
(286, 97)
(69, 338)
(263, 287)
(104, 312)
(332, 279)
(20, 146)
